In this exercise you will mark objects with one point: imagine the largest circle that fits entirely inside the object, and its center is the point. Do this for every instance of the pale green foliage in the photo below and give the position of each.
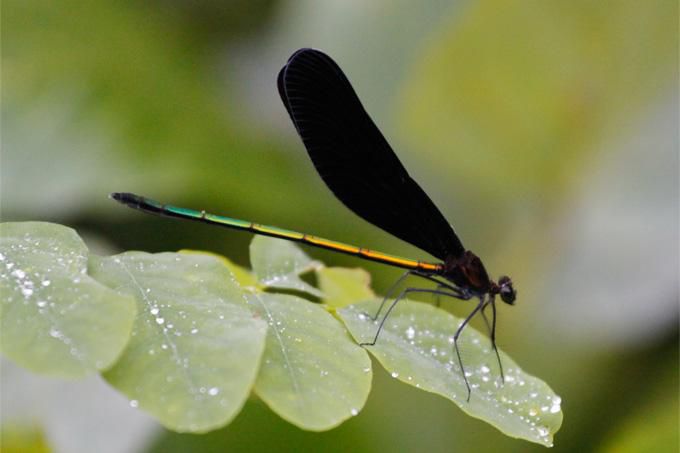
(195, 348)
(416, 346)
(342, 286)
(312, 373)
(208, 331)
(281, 266)
(55, 318)
(242, 275)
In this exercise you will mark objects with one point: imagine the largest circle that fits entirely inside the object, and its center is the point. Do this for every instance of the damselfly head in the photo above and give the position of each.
(506, 290)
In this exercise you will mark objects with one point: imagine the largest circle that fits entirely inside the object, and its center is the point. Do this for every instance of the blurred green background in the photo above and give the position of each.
(547, 132)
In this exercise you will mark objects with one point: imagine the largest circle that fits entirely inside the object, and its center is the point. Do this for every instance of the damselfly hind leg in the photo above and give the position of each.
(462, 325)
(403, 294)
(492, 332)
(387, 295)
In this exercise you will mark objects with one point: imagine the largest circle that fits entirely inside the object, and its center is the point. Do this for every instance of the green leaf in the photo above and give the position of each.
(279, 264)
(416, 347)
(21, 438)
(242, 275)
(312, 373)
(196, 347)
(343, 286)
(55, 319)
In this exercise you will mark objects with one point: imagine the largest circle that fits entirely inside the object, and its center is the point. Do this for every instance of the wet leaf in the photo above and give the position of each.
(416, 346)
(242, 275)
(279, 264)
(56, 319)
(196, 346)
(312, 373)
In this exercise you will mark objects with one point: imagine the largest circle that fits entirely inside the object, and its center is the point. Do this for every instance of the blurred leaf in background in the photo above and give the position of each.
(654, 425)
(23, 439)
(545, 131)
(98, 88)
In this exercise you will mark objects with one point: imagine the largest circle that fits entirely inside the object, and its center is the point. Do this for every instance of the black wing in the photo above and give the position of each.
(354, 159)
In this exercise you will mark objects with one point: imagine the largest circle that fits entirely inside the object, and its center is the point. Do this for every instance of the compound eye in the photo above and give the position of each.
(507, 292)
